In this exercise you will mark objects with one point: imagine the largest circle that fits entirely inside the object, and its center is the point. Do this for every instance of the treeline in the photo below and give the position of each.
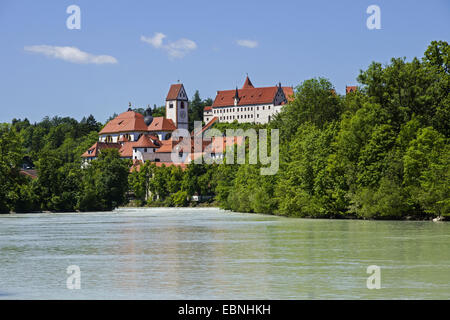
(53, 147)
(381, 152)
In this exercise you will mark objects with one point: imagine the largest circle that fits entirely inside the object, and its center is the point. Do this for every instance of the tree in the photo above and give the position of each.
(104, 182)
(11, 155)
(314, 101)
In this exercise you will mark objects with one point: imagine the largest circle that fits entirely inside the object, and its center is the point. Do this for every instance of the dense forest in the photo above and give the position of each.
(381, 152)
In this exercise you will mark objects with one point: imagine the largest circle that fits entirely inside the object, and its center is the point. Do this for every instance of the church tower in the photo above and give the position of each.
(177, 106)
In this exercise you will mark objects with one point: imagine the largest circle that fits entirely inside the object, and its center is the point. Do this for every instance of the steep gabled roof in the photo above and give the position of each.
(174, 91)
(247, 83)
(125, 122)
(161, 124)
(349, 89)
(289, 93)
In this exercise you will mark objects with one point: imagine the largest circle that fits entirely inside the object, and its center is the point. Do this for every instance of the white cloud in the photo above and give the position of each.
(247, 43)
(156, 40)
(70, 54)
(175, 49)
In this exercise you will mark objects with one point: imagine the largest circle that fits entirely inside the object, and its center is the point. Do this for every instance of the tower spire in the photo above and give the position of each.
(236, 97)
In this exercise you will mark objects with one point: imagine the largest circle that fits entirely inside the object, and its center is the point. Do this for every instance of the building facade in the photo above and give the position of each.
(248, 104)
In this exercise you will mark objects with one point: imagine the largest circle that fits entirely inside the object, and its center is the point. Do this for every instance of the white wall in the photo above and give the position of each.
(134, 136)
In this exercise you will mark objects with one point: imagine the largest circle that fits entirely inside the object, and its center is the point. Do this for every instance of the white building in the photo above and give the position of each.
(248, 104)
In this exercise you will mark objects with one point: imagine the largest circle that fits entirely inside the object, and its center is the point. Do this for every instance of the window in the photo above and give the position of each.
(263, 107)
(182, 105)
(180, 154)
(170, 105)
(156, 160)
(145, 149)
(257, 115)
(257, 108)
(108, 139)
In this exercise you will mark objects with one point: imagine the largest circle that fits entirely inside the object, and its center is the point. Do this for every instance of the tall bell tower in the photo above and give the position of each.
(177, 106)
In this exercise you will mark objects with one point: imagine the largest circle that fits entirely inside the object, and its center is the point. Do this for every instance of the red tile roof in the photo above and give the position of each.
(144, 142)
(93, 151)
(125, 122)
(248, 96)
(174, 91)
(167, 146)
(29, 173)
(207, 126)
(208, 108)
(247, 84)
(161, 124)
(126, 151)
(349, 89)
(289, 93)
(123, 139)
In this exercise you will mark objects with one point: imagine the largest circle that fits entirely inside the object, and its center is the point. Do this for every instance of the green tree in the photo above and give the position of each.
(104, 182)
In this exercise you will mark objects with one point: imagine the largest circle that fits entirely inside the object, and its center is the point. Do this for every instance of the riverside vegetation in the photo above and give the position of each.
(381, 152)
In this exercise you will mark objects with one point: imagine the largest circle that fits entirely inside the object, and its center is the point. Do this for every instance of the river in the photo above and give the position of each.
(169, 253)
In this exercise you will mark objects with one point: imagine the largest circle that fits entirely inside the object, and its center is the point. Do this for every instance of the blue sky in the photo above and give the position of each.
(207, 45)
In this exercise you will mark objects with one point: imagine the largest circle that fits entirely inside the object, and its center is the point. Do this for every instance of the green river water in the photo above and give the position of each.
(168, 253)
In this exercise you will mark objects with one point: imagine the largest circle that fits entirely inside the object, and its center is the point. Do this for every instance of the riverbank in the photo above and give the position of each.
(342, 217)
(215, 205)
